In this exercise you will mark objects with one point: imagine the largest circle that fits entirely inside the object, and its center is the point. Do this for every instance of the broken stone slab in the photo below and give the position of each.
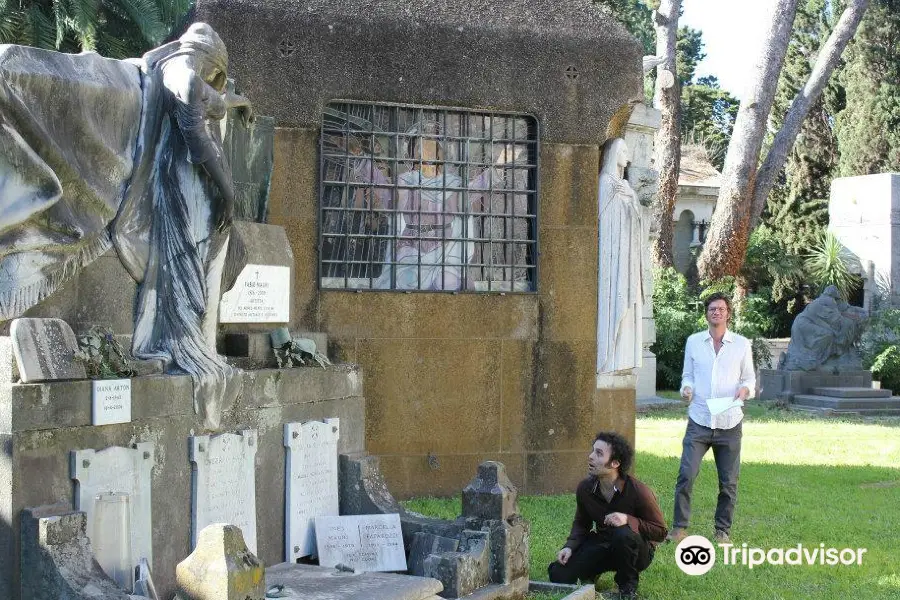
(463, 572)
(308, 582)
(221, 568)
(490, 495)
(57, 561)
(45, 350)
(425, 544)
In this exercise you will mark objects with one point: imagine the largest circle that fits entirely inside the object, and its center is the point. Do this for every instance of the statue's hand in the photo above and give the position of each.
(233, 100)
(224, 215)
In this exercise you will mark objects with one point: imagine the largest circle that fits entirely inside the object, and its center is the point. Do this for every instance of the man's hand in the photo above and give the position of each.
(742, 394)
(687, 393)
(564, 555)
(616, 519)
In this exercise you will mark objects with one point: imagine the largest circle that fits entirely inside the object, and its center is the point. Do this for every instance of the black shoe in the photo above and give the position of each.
(627, 591)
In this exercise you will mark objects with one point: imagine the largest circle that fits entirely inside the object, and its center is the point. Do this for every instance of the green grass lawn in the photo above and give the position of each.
(804, 480)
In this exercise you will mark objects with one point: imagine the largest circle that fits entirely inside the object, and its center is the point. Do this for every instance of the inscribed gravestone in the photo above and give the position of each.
(261, 294)
(121, 470)
(224, 483)
(312, 482)
(45, 350)
(364, 542)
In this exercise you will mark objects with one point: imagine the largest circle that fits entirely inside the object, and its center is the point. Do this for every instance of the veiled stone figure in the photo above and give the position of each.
(97, 152)
(620, 295)
(824, 335)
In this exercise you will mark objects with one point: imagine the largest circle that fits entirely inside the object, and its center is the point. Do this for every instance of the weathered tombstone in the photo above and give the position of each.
(124, 471)
(45, 350)
(221, 568)
(364, 542)
(312, 482)
(490, 495)
(224, 483)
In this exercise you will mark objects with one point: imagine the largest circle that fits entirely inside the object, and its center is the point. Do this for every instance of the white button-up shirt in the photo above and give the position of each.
(712, 375)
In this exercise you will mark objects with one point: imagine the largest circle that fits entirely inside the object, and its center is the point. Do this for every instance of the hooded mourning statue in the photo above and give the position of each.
(620, 296)
(98, 153)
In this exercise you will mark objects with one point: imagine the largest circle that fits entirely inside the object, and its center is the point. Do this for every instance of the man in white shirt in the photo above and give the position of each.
(718, 376)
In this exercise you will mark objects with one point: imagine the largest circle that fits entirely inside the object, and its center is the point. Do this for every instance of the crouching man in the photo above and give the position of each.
(617, 521)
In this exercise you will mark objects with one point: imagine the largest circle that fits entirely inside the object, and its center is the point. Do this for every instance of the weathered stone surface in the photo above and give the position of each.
(362, 488)
(57, 560)
(509, 549)
(425, 544)
(221, 568)
(306, 582)
(582, 65)
(255, 244)
(784, 385)
(490, 495)
(45, 350)
(250, 151)
(463, 572)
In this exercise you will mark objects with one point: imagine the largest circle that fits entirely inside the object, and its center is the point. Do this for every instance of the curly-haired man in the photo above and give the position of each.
(617, 521)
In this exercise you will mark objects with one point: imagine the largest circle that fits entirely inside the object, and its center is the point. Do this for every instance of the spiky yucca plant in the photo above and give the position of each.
(114, 28)
(830, 263)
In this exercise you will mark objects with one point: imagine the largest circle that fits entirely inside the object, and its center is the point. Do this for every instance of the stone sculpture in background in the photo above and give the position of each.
(825, 334)
(97, 153)
(620, 295)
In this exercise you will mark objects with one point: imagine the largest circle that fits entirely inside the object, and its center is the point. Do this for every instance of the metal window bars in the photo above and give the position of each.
(426, 198)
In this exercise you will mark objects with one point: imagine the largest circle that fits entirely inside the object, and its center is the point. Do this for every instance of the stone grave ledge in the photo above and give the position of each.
(307, 582)
(61, 404)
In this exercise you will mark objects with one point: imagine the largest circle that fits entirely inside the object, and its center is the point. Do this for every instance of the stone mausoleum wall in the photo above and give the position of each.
(454, 379)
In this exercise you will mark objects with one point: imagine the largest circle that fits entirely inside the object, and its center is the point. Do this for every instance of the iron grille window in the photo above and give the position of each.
(425, 198)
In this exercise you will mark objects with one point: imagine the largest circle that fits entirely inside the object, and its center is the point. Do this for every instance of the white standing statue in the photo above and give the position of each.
(620, 295)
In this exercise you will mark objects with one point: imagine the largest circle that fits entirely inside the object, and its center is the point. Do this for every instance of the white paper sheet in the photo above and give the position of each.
(719, 405)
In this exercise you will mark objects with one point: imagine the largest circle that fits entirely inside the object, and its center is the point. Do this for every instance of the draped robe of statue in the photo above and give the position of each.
(96, 152)
(620, 295)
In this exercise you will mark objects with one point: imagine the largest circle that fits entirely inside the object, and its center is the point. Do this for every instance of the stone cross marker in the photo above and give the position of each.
(45, 350)
(224, 483)
(122, 470)
(312, 482)
(364, 542)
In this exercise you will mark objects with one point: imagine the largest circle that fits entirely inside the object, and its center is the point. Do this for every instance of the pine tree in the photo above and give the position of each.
(869, 127)
(114, 28)
(797, 210)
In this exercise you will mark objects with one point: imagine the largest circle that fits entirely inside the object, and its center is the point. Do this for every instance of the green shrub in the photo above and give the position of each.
(880, 347)
(675, 312)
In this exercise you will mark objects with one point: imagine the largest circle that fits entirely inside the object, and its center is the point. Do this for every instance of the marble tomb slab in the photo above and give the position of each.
(224, 483)
(45, 350)
(312, 482)
(364, 542)
(124, 471)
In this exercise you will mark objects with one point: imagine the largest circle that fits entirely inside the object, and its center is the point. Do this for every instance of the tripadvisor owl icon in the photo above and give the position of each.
(695, 555)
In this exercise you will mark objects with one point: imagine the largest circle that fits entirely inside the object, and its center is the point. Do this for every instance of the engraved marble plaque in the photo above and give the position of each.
(224, 483)
(110, 401)
(122, 470)
(312, 482)
(364, 542)
(261, 294)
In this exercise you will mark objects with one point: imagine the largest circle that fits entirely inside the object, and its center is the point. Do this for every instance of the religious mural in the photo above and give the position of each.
(419, 198)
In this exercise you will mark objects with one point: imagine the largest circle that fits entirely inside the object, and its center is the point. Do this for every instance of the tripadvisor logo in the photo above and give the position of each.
(696, 555)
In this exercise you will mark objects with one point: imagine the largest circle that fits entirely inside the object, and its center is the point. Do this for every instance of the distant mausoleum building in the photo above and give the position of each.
(698, 190)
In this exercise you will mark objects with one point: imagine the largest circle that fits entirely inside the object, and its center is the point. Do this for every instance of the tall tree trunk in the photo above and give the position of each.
(726, 242)
(828, 58)
(667, 146)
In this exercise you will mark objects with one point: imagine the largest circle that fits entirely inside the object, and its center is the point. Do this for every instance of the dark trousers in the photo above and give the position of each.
(726, 447)
(616, 549)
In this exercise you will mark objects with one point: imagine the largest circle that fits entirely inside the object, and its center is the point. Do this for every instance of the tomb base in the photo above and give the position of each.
(42, 423)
